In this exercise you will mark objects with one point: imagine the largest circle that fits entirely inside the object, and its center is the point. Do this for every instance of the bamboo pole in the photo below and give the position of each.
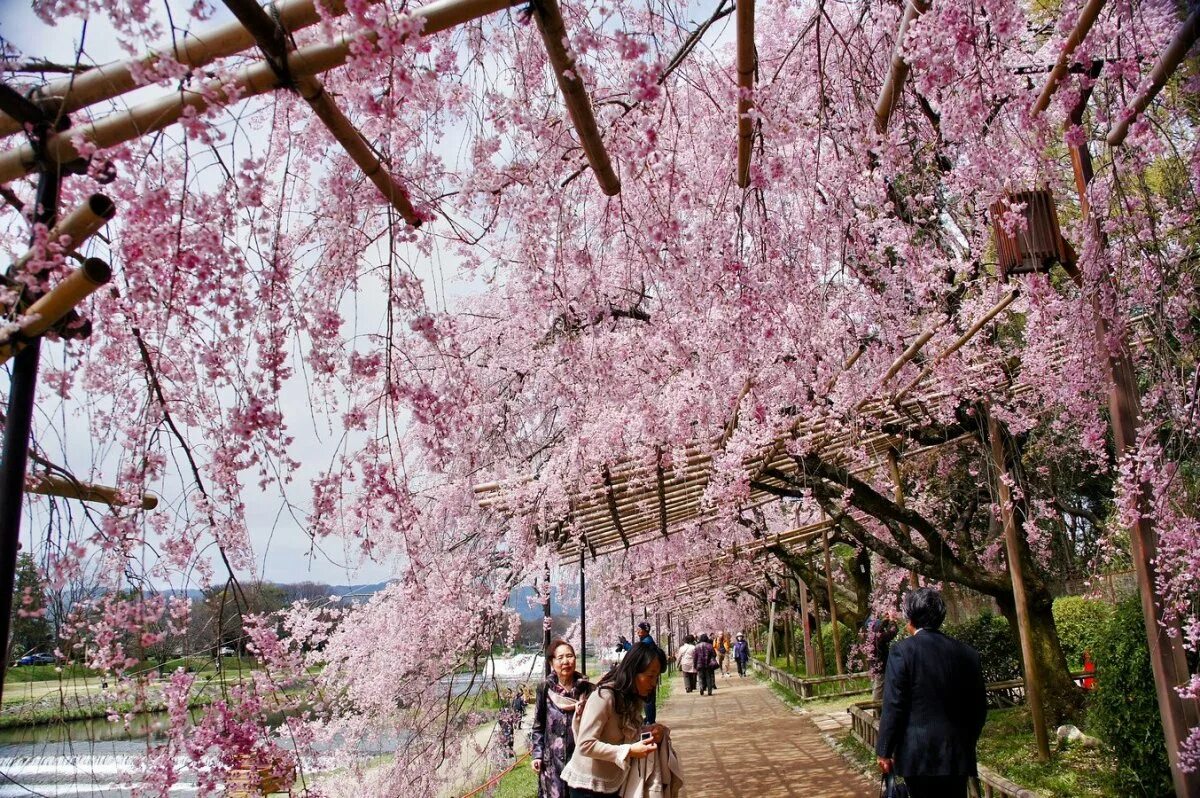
(1087, 18)
(992, 313)
(258, 78)
(810, 667)
(833, 618)
(1012, 544)
(898, 491)
(746, 66)
(1167, 63)
(1168, 661)
(77, 227)
(898, 72)
(106, 81)
(53, 485)
(575, 97)
(272, 40)
(771, 629)
(57, 303)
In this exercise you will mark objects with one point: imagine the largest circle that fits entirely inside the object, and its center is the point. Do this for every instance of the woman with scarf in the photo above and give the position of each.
(558, 699)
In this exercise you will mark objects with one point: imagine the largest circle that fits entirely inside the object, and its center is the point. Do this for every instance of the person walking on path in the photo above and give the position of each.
(880, 634)
(687, 663)
(721, 644)
(705, 658)
(644, 638)
(552, 741)
(611, 727)
(741, 654)
(934, 704)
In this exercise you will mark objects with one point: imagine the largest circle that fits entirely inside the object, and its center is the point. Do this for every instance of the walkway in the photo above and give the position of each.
(743, 742)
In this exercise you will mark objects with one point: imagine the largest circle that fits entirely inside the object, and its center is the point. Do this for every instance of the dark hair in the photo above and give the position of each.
(558, 641)
(644, 625)
(620, 680)
(924, 608)
(704, 639)
(690, 639)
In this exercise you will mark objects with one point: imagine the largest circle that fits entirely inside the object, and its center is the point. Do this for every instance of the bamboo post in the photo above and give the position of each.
(1166, 65)
(58, 302)
(547, 620)
(898, 72)
(22, 387)
(1167, 658)
(898, 483)
(1087, 18)
(582, 613)
(154, 115)
(53, 485)
(771, 629)
(746, 66)
(789, 625)
(272, 40)
(78, 226)
(833, 618)
(575, 97)
(1012, 544)
(809, 666)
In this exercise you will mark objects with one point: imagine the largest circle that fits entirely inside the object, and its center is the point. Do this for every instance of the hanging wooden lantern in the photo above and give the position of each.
(1040, 245)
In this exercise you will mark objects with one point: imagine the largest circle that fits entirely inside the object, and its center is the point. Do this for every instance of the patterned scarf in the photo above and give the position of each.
(565, 698)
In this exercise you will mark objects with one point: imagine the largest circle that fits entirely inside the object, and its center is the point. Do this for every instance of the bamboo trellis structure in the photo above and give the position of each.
(747, 63)
(893, 84)
(298, 66)
(53, 485)
(635, 502)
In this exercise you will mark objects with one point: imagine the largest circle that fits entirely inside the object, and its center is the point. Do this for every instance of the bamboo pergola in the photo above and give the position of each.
(637, 501)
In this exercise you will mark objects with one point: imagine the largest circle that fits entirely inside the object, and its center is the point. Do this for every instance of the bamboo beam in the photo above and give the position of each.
(1012, 545)
(898, 72)
(747, 63)
(662, 496)
(612, 508)
(575, 97)
(992, 313)
(57, 303)
(53, 485)
(78, 226)
(258, 78)
(106, 81)
(272, 40)
(1167, 63)
(1087, 18)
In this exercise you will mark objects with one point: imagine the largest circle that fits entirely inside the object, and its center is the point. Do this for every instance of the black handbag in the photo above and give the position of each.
(892, 786)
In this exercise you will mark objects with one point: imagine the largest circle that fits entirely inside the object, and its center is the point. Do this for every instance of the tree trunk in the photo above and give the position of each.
(1061, 697)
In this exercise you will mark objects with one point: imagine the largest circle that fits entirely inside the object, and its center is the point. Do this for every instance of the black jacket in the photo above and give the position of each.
(934, 706)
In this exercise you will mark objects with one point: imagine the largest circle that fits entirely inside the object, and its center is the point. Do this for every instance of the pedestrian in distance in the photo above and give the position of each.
(506, 721)
(644, 638)
(612, 730)
(559, 700)
(687, 662)
(705, 657)
(880, 634)
(721, 646)
(934, 704)
(741, 654)
(518, 705)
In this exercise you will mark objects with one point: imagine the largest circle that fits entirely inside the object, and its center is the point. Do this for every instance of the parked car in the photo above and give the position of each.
(226, 651)
(37, 659)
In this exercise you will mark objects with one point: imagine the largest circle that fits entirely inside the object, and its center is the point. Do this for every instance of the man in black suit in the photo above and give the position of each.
(934, 704)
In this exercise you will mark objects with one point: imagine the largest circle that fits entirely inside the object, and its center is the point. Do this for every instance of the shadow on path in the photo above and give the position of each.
(743, 742)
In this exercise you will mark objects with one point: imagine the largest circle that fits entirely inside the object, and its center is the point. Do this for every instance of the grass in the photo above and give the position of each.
(1008, 747)
(521, 782)
(46, 673)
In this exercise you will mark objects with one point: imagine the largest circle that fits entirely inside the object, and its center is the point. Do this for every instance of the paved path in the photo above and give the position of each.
(743, 742)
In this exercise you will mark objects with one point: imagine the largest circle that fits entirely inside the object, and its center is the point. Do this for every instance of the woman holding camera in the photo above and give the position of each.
(610, 732)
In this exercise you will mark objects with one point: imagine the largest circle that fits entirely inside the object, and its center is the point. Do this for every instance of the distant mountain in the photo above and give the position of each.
(564, 604)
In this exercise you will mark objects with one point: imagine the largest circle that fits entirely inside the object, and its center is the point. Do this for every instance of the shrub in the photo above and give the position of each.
(1124, 710)
(847, 638)
(992, 637)
(1081, 624)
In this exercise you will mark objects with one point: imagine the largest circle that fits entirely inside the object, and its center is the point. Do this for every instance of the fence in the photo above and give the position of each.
(820, 687)
(864, 725)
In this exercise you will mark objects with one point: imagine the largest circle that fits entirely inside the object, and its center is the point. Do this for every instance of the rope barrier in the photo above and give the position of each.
(496, 778)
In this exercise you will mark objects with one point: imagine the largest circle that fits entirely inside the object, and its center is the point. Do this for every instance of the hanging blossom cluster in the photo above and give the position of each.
(534, 327)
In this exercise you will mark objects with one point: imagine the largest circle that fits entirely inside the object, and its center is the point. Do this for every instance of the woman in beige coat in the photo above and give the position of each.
(610, 731)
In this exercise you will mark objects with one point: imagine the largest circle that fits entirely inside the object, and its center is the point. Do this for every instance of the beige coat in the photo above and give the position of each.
(657, 776)
(601, 759)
